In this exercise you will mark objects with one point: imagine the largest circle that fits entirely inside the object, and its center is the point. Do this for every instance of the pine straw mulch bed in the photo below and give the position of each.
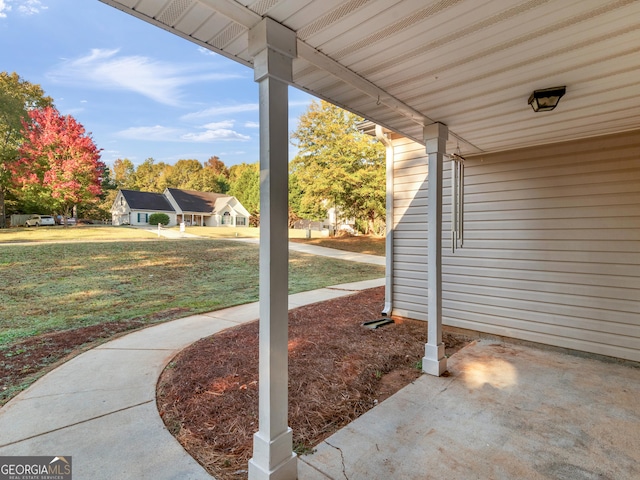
(208, 395)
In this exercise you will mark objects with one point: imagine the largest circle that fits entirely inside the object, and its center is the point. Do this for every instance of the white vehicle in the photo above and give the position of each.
(40, 220)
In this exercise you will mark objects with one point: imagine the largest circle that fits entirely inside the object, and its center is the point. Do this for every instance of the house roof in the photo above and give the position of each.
(470, 64)
(146, 201)
(197, 202)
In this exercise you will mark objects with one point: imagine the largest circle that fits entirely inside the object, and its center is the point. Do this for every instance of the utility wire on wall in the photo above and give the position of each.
(457, 201)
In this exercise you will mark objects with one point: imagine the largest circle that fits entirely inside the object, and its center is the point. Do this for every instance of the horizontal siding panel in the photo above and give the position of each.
(514, 241)
(410, 259)
(537, 160)
(544, 275)
(399, 243)
(615, 223)
(418, 251)
(420, 210)
(418, 170)
(573, 288)
(555, 174)
(408, 234)
(409, 276)
(525, 192)
(580, 262)
(411, 212)
(411, 186)
(414, 302)
(495, 303)
(537, 297)
(542, 323)
(584, 200)
(583, 213)
(412, 227)
(414, 314)
(420, 284)
(411, 291)
(403, 267)
(410, 201)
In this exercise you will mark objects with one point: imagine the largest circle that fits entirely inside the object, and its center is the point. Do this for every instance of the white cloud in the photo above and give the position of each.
(206, 51)
(219, 135)
(212, 132)
(30, 7)
(222, 110)
(162, 82)
(24, 7)
(218, 125)
(4, 8)
(217, 132)
(155, 133)
(252, 124)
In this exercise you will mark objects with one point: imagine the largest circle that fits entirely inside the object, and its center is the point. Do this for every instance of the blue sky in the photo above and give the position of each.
(140, 91)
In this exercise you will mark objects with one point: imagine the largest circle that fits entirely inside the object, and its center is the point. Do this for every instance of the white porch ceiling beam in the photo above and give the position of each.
(329, 65)
(234, 11)
(248, 18)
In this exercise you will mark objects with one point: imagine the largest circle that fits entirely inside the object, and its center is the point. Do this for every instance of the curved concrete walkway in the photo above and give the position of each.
(100, 406)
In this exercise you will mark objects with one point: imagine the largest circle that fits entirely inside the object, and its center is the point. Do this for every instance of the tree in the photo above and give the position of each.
(59, 165)
(124, 173)
(245, 186)
(337, 165)
(217, 166)
(151, 176)
(17, 98)
(185, 174)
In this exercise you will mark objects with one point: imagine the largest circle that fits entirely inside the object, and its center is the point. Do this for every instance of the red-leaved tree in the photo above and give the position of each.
(59, 166)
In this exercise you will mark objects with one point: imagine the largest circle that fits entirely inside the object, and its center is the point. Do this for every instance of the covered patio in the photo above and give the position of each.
(505, 411)
(453, 80)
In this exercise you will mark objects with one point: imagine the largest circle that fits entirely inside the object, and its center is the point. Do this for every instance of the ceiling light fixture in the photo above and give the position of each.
(546, 99)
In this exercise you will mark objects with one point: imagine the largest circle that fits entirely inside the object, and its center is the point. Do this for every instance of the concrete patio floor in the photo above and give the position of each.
(506, 411)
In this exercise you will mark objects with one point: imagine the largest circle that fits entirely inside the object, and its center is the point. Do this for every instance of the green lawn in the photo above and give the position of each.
(73, 233)
(59, 286)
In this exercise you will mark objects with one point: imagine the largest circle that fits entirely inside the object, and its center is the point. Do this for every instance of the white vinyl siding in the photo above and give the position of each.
(410, 230)
(551, 247)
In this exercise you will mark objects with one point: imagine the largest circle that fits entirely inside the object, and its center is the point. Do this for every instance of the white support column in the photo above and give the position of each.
(273, 48)
(434, 361)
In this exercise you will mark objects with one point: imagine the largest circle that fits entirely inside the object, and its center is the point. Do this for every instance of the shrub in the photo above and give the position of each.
(156, 218)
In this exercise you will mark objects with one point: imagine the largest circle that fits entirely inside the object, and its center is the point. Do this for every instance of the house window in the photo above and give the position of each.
(226, 219)
(241, 221)
(143, 217)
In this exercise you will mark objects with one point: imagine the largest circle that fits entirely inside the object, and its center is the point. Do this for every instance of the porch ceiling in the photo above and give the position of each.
(470, 64)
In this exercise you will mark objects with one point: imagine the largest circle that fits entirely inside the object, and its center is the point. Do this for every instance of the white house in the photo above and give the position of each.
(133, 207)
(551, 218)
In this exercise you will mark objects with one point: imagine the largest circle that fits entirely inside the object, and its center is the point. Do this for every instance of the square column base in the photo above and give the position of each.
(266, 453)
(434, 361)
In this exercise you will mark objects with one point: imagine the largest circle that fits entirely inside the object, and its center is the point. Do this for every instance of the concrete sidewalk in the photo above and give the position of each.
(324, 252)
(293, 246)
(100, 407)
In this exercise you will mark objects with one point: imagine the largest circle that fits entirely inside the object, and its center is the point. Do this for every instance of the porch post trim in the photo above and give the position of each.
(434, 361)
(273, 48)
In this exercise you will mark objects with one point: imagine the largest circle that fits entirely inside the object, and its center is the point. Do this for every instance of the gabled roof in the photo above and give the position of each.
(198, 202)
(146, 201)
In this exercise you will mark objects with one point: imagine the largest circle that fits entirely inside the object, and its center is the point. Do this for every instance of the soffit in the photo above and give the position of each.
(470, 64)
